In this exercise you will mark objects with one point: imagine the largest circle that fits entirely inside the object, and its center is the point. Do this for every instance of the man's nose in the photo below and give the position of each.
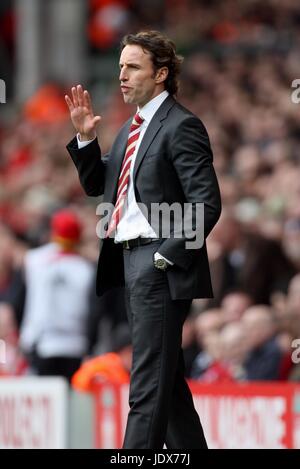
(123, 75)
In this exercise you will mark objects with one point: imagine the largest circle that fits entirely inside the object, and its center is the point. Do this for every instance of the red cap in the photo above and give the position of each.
(65, 226)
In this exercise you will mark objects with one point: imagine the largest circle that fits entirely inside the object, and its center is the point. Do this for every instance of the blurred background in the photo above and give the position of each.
(240, 62)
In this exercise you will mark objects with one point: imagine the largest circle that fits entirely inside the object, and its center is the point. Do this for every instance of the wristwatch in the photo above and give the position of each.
(161, 264)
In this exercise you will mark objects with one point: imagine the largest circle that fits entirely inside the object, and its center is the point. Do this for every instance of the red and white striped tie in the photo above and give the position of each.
(134, 134)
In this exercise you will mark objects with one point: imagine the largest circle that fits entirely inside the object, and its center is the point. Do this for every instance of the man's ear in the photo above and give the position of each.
(161, 75)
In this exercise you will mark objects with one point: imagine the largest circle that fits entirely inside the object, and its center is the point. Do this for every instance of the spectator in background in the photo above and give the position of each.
(293, 297)
(234, 304)
(292, 318)
(228, 235)
(228, 352)
(249, 261)
(11, 277)
(266, 268)
(108, 21)
(189, 344)
(264, 356)
(207, 324)
(233, 343)
(14, 364)
(58, 282)
(113, 366)
(107, 313)
(287, 309)
(213, 369)
(6, 263)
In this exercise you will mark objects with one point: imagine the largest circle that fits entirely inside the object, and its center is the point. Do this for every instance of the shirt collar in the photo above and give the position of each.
(149, 109)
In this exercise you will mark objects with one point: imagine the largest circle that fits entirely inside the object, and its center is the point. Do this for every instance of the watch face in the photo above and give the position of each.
(161, 264)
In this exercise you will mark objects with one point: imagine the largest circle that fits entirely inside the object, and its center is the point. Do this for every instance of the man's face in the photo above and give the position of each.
(139, 82)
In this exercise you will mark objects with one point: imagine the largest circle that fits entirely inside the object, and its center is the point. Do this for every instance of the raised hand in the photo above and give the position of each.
(82, 114)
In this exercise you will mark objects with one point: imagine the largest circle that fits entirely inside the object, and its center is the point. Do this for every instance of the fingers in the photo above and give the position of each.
(69, 103)
(97, 119)
(87, 101)
(75, 97)
(80, 95)
(80, 98)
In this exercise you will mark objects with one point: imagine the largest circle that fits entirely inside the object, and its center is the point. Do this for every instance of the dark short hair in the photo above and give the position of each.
(163, 54)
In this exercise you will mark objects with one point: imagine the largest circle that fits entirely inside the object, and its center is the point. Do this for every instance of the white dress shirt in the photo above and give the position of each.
(133, 224)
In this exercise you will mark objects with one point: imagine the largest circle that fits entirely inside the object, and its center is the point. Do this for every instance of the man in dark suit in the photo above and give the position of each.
(162, 155)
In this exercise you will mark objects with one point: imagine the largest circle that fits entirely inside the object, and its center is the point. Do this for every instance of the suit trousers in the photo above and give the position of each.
(161, 404)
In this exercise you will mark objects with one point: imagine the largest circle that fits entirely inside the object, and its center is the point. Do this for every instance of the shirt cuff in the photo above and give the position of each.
(159, 256)
(83, 144)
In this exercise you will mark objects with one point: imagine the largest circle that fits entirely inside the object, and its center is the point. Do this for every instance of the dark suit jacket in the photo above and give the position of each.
(174, 164)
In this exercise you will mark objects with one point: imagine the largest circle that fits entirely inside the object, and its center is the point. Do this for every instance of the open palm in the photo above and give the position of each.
(82, 114)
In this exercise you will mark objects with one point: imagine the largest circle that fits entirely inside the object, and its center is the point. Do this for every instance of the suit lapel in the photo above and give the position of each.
(116, 156)
(118, 150)
(152, 130)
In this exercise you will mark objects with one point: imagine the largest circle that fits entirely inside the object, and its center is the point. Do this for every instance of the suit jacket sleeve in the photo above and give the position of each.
(90, 166)
(193, 161)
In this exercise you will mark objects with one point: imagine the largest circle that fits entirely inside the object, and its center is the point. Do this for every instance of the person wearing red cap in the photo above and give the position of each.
(66, 229)
(58, 282)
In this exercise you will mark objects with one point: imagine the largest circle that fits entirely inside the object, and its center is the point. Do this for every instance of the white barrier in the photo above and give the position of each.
(240, 415)
(33, 413)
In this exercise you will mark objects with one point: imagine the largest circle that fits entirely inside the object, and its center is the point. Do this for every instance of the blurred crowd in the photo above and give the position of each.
(243, 96)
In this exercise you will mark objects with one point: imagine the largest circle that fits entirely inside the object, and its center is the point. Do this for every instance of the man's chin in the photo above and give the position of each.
(127, 99)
